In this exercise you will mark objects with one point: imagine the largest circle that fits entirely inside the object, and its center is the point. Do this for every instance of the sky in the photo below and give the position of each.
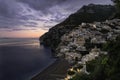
(32, 18)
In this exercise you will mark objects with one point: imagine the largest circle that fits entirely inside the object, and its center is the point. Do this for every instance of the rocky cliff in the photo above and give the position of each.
(89, 13)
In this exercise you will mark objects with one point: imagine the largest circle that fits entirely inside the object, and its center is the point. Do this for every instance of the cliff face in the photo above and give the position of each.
(87, 14)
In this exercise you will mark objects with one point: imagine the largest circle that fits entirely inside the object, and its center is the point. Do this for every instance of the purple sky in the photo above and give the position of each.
(37, 15)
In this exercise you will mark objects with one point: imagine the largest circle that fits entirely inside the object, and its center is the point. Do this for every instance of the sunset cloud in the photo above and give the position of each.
(38, 14)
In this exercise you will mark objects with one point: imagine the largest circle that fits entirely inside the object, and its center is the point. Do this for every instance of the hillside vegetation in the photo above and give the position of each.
(104, 67)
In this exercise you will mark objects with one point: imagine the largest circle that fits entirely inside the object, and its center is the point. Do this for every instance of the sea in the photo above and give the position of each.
(23, 58)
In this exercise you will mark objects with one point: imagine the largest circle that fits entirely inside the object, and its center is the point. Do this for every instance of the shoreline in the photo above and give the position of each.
(42, 70)
(56, 70)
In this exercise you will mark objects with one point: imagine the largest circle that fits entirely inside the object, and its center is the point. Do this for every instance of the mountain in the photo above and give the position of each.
(87, 14)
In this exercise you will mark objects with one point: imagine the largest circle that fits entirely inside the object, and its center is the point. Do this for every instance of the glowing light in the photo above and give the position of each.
(71, 69)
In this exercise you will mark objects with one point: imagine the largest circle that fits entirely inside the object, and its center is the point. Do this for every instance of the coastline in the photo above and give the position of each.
(57, 70)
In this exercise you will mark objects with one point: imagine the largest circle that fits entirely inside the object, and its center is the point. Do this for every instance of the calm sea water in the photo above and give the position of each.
(21, 59)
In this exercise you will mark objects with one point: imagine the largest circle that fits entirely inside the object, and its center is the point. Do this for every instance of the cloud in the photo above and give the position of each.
(8, 9)
(13, 15)
(21, 14)
(42, 4)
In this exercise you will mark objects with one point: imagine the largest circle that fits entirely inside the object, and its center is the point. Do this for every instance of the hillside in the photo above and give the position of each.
(88, 47)
(89, 13)
(105, 67)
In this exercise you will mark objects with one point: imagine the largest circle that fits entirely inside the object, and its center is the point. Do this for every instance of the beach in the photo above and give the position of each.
(55, 71)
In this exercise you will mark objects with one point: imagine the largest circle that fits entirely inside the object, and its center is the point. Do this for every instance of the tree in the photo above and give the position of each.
(117, 5)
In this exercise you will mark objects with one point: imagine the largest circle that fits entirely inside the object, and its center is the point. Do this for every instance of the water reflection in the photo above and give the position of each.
(23, 59)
